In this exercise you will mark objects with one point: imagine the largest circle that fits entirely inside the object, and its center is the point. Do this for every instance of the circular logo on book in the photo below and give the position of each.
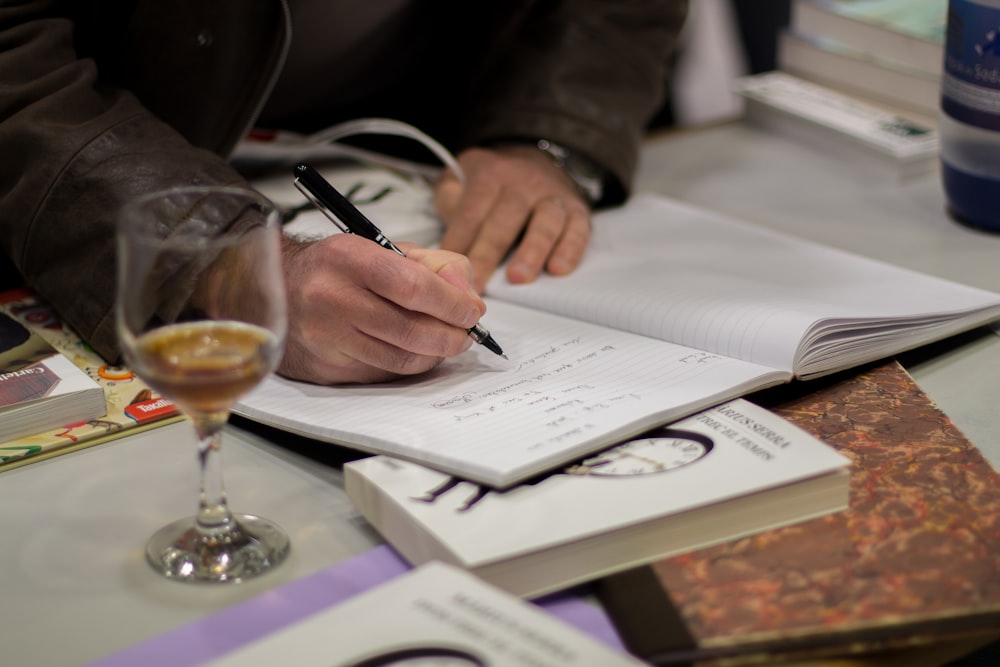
(656, 451)
(421, 656)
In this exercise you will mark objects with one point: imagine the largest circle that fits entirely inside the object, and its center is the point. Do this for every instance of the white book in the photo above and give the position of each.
(433, 615)
(859, 73)
(719, 475)
(674, 309)
(909, 32)
(41, 388)
(858, 133)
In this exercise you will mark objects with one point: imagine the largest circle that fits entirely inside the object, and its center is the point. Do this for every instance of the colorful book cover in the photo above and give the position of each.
(131, 404)
(24, 375)
(916, 558)
(40, 387)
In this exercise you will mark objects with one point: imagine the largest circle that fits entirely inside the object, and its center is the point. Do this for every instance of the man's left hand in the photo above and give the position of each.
(513, 196)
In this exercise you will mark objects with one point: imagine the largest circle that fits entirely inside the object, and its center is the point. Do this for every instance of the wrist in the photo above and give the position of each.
(587, 175)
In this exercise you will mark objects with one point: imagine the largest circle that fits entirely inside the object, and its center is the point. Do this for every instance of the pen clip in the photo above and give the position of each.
(319, 205)
(339, 208)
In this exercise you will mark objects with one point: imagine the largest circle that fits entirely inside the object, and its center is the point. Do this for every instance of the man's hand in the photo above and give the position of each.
(360, 313)
(513, 196)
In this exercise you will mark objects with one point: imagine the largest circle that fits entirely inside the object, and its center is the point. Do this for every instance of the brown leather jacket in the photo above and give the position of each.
(101, 100)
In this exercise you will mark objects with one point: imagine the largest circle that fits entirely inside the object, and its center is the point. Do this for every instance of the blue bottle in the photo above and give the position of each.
(970, 113)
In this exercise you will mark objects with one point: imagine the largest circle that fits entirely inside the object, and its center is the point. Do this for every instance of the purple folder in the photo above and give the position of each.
(226, 630)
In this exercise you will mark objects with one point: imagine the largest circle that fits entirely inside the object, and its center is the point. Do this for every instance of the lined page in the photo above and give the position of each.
(679, 273)
(569, 389)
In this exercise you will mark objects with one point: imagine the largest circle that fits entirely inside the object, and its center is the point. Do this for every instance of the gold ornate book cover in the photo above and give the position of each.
(915, 559)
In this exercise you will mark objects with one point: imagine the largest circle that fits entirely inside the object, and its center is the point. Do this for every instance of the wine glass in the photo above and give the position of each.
(201, 317)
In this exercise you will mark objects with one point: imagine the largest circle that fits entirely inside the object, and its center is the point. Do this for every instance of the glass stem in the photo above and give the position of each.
(213, 510)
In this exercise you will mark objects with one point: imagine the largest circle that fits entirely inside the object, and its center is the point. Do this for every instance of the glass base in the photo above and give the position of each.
(248, 546)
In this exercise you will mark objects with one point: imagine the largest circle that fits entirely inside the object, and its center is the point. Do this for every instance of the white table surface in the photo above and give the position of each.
(73, 583)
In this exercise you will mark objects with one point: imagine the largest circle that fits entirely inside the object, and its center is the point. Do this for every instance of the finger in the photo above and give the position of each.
(545, 228)
(467, 218)
(572, 245)
(447, 193)
(365, 360)
(379, 339)
(500, 232)
(323, 345)
(465, 215)
(402, 342)
(417, 288)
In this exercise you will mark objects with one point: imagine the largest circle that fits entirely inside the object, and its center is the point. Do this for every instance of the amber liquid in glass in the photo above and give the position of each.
(206, 366)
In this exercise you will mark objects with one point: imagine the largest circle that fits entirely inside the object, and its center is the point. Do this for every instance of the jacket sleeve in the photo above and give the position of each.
(75, 148)
(588, 74)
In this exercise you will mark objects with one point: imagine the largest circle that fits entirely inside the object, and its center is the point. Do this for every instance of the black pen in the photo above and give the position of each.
(349, 219)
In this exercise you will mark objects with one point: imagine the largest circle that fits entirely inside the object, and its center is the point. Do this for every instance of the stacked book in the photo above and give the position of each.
(889, 51)
(56, 394)
(858, 75)
(40, 386)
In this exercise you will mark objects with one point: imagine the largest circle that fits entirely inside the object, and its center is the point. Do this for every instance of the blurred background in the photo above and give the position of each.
(723, 39)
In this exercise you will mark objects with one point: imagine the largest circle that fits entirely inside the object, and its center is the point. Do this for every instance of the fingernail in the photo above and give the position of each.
(519, 273)
(559, 267)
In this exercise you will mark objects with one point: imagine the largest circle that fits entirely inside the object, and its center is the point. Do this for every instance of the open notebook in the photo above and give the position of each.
(674, 309)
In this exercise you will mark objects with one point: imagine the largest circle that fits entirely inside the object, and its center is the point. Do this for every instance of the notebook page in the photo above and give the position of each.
(569, 388)
(684, 274)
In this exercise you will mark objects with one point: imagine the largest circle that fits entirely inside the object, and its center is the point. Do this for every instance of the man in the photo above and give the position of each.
(544, 102)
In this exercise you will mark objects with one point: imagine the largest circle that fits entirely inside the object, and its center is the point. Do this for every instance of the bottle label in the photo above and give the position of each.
(970, 86)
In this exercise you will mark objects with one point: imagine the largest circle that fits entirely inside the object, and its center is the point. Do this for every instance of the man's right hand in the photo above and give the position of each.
(360, 313)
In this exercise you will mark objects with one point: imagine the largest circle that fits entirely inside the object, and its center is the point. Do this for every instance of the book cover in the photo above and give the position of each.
(238, 625)
(855, 131)
(724, 473)
(915, 559)
(23, 373)
(125, 402)
(909, 32)
(39, 386)
(434, 615)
